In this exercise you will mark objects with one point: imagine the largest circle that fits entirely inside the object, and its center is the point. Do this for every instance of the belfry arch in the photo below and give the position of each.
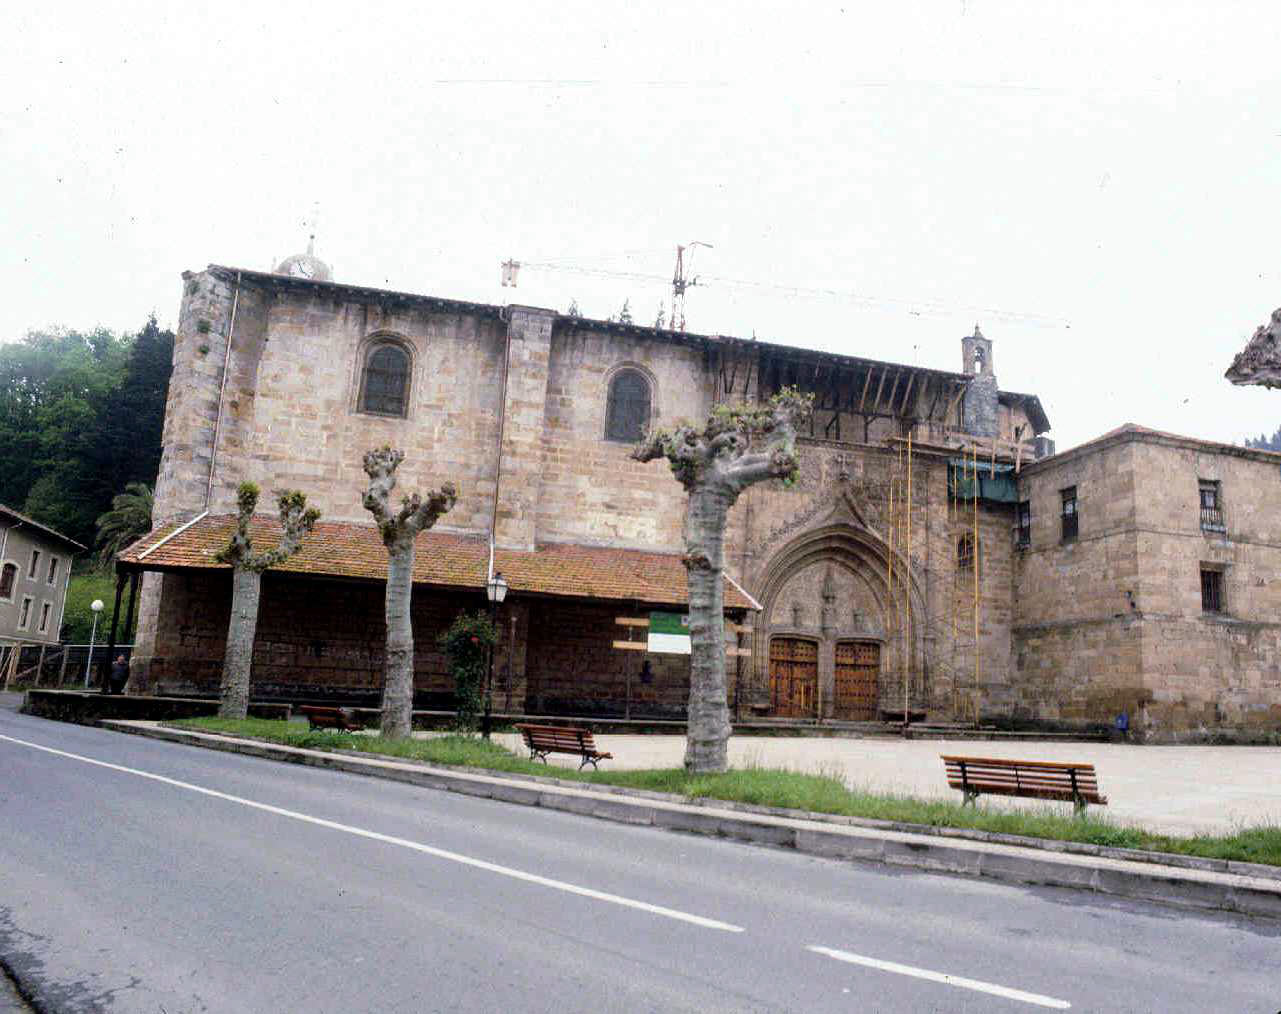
(832, 641)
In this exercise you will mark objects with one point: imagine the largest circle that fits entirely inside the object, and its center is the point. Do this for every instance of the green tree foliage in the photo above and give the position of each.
(1266, 443)
(128, 520)
(81, 416)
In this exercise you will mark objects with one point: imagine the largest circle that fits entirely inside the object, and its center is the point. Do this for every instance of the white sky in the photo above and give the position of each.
(1112, 165)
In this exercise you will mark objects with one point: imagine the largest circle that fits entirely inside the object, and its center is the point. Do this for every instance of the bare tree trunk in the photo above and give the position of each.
(246, 588)
(706, 742)
(398, 685)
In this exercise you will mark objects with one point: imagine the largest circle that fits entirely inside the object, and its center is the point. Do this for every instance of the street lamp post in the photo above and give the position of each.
(496, 591)
(96, 606)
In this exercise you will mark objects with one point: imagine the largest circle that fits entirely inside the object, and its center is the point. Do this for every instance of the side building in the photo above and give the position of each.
(1147, 586)
(35, 568)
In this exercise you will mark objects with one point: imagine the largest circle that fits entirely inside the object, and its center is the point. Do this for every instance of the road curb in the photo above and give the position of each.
(1204, 884)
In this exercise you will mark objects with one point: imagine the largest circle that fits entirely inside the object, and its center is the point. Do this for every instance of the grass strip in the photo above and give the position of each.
(816, 793)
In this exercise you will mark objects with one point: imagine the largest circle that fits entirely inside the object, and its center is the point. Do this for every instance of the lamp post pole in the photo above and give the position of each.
(96, 606)
(496, 591)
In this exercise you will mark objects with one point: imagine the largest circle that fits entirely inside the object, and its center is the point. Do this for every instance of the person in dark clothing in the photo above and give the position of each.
(119, 674)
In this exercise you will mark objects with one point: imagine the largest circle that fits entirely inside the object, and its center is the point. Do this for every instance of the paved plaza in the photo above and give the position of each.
(1174, 789)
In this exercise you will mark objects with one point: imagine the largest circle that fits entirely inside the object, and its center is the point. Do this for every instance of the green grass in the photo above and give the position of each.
(820, 793)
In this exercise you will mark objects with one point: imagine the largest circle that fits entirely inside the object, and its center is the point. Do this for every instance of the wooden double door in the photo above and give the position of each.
(793, 672)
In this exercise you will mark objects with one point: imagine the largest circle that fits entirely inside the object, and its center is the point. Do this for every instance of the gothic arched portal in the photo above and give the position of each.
(832, 641)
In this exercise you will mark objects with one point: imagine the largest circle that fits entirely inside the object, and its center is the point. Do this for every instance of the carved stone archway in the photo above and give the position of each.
(831, 585)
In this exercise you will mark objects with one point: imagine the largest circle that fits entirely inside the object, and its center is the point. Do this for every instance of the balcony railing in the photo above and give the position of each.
(1212, 519)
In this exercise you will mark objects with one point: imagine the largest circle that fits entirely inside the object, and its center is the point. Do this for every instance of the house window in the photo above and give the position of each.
(1023, 533)
(8, 578)
(35, 562)
(1069, 513)
(44, 616)
(24, 614)
(965, 552)
(384, 384)
(1211, 590)
(1211, 506)
(53, 569)
(627, 408)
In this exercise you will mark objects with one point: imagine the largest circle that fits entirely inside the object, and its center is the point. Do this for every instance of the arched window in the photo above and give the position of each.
(384, 384)
(965, 552)
(8, 578)
(627, 410)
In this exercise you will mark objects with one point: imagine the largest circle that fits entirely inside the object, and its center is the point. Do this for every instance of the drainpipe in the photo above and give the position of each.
(502, 425)
(222, 387)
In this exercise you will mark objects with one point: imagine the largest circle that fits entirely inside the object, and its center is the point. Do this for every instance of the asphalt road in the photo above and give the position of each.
(142, 876)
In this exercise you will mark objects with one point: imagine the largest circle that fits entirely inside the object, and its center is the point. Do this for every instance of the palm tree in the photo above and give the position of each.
(128, 520)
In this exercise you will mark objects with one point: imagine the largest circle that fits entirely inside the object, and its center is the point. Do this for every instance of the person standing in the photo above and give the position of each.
(119, 674)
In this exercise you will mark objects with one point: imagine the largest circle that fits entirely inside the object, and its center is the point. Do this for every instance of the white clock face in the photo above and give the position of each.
(300, 269)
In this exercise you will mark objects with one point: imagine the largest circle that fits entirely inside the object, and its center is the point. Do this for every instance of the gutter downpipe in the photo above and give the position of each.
(502, 426)
(222, 387)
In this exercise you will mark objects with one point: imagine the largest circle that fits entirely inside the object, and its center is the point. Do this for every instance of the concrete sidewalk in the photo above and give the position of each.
(1184, 881)
(1169, 789)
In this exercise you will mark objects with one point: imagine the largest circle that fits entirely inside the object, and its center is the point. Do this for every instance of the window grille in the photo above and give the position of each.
(1211, 507)
(965, 552)
(1069, 513)
(1211, 591)
(1023, 536)
(627, 407)
(8, 578)
(386, 381)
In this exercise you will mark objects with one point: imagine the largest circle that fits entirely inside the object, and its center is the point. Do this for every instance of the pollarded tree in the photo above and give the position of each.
(296, 520)
(737, 447)
(1259, 363)
(399, 529)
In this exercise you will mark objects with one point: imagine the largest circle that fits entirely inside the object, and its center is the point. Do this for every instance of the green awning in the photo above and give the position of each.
(995, 482)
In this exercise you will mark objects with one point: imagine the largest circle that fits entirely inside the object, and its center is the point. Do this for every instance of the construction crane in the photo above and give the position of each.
(681, 281)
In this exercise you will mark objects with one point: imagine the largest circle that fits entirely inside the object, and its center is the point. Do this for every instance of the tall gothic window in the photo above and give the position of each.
(384, 385)
(627, 410)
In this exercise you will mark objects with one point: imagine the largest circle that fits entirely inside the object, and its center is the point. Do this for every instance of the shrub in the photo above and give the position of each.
(468, 643)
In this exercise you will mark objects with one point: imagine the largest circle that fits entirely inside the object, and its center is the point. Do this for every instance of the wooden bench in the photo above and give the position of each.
(545, 739)
(329, 718)
(1076, 783)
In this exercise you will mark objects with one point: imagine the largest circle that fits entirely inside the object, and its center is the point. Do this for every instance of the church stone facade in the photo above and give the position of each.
(918, 564)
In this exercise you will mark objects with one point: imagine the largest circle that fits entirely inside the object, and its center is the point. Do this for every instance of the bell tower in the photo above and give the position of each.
(981, 395)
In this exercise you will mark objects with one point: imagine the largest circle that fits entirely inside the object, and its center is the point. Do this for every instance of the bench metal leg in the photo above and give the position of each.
(1078, 806)
(536, 755)
(970, 797)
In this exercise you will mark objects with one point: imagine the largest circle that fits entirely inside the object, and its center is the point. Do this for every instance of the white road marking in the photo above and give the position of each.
(947, 980)
(453, 857)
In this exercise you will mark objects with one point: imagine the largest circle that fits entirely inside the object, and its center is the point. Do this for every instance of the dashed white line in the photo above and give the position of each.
(943, 977)
(431, 850)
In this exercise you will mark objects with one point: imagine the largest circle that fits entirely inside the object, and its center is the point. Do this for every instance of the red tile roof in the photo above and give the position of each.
(441, 558)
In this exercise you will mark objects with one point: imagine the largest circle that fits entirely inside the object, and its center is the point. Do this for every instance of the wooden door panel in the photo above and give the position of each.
(858, 664)
(793, 665)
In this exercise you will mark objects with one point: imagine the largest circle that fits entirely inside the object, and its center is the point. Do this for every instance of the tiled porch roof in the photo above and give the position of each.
(442, 559)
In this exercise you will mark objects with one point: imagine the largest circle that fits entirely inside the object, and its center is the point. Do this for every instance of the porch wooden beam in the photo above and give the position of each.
(632, 645)
(898, 375)
(866, 383)
(876, 403)
(911, 379)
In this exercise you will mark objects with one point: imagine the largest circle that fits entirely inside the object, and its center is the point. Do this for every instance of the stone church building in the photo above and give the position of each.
(935, 557)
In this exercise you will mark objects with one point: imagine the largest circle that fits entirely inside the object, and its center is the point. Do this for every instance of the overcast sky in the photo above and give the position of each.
(1096, 183)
